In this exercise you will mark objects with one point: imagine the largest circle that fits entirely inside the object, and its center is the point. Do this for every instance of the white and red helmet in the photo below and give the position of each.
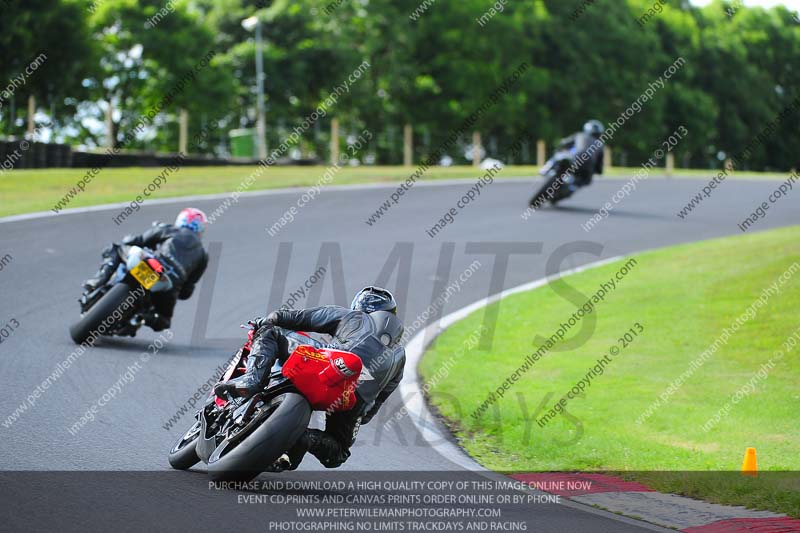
(192, 219)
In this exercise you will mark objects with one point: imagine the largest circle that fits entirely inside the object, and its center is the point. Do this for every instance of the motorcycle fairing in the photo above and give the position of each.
(326, 377)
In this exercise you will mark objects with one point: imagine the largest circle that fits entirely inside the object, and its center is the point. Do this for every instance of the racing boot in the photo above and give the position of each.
(265, 350)
(252, 381)
(326, 448)
(280, 465)
(110, 262)
(296, 453)
(294, 456)
(100, 279)
(156, 322)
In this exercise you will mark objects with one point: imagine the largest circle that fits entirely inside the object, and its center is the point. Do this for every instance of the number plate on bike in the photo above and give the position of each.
(145, 275)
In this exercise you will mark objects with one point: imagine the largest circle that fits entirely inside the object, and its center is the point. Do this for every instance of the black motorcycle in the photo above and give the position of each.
(119, 306)
(559, 177)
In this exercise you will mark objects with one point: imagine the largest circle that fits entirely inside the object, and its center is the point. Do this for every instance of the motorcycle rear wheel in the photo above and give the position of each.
(244, 460)
(102, 311)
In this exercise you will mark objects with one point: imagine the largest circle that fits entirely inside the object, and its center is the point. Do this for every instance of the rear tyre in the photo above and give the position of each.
(183, 454)
(253, 455)
(102, 311)
(542, 196)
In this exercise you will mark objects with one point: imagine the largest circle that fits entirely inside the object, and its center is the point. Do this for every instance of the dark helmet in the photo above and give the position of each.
(594, 128)
(371, 299)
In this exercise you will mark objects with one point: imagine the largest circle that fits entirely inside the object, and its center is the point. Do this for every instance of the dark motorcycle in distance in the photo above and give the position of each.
(123, 301)
(559, 181)
(238, 438)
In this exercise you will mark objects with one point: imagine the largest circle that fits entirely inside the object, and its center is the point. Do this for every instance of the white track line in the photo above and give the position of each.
(411, 388)
(438, 437)
(654, 510)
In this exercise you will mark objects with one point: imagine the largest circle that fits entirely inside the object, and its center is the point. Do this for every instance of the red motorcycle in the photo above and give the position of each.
(238, 438)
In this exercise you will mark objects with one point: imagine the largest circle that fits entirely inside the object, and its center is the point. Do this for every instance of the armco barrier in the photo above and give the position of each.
(21, 154)
(29, 154)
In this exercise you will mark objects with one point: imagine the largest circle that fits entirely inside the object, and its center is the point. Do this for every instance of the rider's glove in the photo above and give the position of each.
(265, 321)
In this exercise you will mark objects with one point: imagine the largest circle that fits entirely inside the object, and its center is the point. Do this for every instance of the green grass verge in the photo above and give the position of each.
(25, 191)
(684, 297)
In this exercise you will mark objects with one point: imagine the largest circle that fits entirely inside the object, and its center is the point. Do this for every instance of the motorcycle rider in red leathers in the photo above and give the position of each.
(369, 329)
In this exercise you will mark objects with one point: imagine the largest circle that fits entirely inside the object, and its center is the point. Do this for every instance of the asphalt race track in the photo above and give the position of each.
(53, 255)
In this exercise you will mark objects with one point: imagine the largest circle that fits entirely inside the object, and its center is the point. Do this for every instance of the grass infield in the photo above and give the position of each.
(25, 191)
(683, 297)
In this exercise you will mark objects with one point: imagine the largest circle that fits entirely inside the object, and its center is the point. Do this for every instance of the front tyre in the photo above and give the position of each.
(183, 454)
(545, 194)
(102, 311)
(244, 460)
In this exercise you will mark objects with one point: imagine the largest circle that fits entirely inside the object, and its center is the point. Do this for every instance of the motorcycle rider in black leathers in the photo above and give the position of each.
(369, 329)
(178, 247)
(586, 142)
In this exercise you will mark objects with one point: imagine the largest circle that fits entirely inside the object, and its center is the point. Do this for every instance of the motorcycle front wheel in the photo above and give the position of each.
(183, 454)
(543, 196)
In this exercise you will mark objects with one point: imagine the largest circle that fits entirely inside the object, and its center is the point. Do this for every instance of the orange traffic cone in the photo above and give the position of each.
(750, 465)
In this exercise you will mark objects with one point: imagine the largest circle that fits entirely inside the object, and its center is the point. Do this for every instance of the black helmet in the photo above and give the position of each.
(594, 128)
(371, 299)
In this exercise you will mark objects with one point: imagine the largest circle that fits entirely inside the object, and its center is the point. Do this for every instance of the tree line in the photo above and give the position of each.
(110, 61)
